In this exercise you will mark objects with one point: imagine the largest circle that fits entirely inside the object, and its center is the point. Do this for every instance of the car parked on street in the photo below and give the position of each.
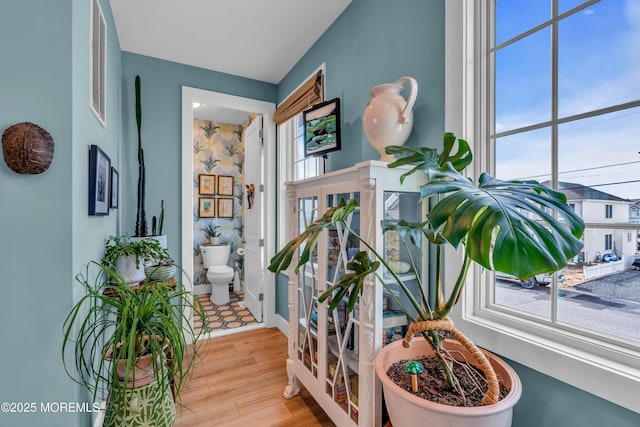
(532, 282)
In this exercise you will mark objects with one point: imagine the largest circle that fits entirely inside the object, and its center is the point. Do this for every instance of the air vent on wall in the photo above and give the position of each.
(98, 75)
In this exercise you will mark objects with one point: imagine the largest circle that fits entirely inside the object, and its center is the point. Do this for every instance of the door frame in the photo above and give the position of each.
(189, 96)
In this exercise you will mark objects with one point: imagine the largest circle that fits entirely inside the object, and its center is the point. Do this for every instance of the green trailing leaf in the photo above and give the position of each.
(308, 239)
(352, 282)
(413, 229)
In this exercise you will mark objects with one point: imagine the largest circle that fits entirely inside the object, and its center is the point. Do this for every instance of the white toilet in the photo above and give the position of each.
(219, 274)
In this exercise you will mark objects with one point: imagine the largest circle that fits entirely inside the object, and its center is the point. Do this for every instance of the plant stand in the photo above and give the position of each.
(146, 406)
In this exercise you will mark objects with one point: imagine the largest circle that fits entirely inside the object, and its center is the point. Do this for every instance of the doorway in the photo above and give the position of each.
(226, 204)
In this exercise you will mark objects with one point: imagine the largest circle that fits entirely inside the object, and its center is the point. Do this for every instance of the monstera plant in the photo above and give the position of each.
(519, 227)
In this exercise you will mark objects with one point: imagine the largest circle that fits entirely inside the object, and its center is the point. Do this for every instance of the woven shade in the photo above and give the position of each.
(310, 93)
(27, 148)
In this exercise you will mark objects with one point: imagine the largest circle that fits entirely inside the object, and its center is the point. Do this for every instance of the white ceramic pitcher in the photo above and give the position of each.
(388, 117)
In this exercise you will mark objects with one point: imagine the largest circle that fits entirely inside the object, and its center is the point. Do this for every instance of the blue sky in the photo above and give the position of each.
(599, 66)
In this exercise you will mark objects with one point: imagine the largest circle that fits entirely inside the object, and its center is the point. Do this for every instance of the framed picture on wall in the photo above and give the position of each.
(115, 177)
(206, 184)
(99, 177)
(225, 207)
(206, 208)
(225, 185)
(322, 128)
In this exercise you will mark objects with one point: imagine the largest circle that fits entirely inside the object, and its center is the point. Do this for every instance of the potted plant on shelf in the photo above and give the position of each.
(506, 226)
(133, 343)
(128, 256)
(211, 233)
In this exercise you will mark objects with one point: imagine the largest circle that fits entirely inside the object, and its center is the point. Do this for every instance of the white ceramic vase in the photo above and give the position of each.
(388, 117)
(127, 268)
(405, 408)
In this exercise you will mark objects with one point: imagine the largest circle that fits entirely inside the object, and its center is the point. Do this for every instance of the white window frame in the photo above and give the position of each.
(608, 211)
(287, 135)
(609, 369)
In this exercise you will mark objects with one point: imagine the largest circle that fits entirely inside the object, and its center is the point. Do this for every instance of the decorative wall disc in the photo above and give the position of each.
(27, 148)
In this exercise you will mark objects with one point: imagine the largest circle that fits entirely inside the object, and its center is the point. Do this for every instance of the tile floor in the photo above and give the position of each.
(220, 317)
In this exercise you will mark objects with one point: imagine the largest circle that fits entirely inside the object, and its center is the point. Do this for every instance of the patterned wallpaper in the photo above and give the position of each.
(218, 149)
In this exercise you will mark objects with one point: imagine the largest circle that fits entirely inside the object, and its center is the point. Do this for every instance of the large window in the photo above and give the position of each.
(563, 115)
(551, 93)
(292, 164)
(297, 166)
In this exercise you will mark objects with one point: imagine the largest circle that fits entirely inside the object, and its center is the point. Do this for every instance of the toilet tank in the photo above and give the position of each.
(215, 255)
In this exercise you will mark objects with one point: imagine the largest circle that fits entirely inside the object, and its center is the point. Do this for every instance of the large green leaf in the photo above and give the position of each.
(353, 281)
(308, 239)
(425, 159)
(504, 225)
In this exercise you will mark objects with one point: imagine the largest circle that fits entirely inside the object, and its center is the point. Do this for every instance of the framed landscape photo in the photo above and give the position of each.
(322, 128)
(115, 177)
(206, 208)
(225, 185)
(99, 177)
(206, 184)
(225, 207)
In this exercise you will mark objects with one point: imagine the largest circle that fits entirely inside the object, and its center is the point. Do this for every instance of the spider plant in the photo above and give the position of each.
(505, 226)
(114, 323)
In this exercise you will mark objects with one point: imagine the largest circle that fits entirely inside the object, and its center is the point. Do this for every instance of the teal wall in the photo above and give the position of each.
(547, 402)
(161, 93)
(45, 233)
(374, 42)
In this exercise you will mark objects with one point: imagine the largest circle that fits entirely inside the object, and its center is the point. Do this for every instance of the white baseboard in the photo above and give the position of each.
(202, 289)
(282, 324)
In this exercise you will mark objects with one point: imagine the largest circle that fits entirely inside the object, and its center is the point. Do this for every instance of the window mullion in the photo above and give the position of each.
(554, 139)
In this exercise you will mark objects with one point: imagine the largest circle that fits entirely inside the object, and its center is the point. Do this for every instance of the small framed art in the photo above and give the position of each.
(322, 128)
(225, 185)
(206, 184)
(225, 207)
(115, 177)
(99, 177)
(206, 208)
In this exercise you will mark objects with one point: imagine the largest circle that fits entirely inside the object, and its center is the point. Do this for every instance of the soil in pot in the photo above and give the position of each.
(431, 385)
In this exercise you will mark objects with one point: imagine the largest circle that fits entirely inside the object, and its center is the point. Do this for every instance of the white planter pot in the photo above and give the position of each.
(405, 408)
(162, 239)
(126, 267)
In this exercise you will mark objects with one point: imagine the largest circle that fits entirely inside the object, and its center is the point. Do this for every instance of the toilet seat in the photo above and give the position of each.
(220, 269)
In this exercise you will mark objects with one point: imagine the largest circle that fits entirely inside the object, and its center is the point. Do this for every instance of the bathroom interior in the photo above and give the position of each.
(220, 200)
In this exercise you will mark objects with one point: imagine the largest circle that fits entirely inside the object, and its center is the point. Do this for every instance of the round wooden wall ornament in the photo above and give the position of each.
(27, 148)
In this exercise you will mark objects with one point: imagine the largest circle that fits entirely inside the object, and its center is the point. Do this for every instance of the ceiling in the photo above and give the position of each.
(219, 114)
(257, 39)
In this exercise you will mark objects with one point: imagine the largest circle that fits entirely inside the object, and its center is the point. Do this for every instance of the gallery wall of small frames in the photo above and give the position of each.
(210, 187)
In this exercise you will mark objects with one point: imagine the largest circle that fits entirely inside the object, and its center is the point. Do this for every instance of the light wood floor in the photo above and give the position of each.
(239, 382)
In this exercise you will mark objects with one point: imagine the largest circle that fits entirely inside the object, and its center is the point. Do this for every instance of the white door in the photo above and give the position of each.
(254, 263)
